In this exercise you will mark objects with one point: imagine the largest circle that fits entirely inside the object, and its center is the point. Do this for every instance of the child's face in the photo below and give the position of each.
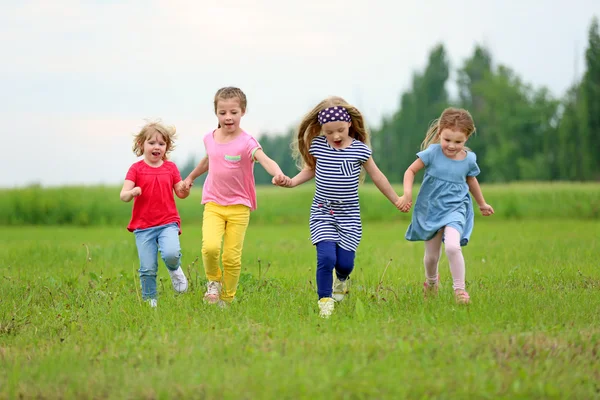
(453, 143)
(230, 114)
(337, 134)
(155, 148)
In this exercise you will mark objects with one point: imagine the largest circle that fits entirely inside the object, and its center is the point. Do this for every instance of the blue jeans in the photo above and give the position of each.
(330, 257)
(149, 241)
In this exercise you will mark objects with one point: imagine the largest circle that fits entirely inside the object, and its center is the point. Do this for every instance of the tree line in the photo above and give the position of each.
(523, 132)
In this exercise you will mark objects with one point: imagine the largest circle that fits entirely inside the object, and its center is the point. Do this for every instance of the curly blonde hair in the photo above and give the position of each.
(310, 128)
(456, 119)
(168, 132)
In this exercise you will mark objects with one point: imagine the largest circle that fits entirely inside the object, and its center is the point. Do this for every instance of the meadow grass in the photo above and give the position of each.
(72, 324)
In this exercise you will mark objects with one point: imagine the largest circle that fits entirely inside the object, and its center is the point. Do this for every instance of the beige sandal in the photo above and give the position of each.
(462, 297)
(431, 289)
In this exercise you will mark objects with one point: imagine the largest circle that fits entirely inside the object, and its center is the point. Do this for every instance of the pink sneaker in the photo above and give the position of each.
(431, 290)
(462, 297)
(213, 292)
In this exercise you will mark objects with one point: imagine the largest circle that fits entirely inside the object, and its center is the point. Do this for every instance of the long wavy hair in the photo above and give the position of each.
(310, 128)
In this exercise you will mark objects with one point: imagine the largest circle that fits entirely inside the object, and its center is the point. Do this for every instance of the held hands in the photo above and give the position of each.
(486, 210)
(187, 184)
(404, 203)
(281, 180)
(182, 188)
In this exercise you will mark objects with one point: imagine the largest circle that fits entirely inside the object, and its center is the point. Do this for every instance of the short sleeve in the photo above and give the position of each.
(175, 174)
(473, 167)
(427, 155)
(205, 139)
(131, 173)
(365, 153)
(251, 146)
(313, 146)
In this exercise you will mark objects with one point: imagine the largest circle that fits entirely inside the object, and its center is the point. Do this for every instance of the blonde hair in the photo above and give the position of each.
(148, 131)
(230, 92)
(455, 119)
(310, 128)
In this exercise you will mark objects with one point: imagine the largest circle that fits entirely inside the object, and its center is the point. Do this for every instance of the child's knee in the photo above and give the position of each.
(431, 258)
(171, 258)
(453, 249)
(211, 250)
(345, 268)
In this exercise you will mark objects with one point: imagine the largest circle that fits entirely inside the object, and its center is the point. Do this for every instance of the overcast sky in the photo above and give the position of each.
(78, 78)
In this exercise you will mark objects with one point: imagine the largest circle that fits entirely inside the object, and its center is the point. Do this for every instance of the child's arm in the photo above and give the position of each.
(303, 176)
(268, 164)
(409, 179)
(381, 182)
(129, 191)
(182, 190)
(475, 189)
(271, 167)
(200, 169)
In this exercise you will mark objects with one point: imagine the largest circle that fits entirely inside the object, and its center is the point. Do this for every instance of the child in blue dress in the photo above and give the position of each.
(444, 210)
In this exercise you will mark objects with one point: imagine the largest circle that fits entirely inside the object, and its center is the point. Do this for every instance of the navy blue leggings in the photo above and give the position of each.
(331, 256)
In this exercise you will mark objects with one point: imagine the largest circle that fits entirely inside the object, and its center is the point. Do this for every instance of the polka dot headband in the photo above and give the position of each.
(332, 114)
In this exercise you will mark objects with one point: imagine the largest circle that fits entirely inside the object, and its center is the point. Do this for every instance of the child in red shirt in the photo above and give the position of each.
(155, 220)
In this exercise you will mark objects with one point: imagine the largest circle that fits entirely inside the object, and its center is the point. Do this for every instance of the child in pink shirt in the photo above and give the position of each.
(229, 193)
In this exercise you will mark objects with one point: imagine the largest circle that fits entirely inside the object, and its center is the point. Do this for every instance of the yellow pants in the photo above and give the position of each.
(226, 224)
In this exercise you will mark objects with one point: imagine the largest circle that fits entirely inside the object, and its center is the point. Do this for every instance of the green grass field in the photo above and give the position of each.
(72, 324)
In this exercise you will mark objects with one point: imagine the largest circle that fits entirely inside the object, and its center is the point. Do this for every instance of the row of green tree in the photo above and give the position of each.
(523, 133)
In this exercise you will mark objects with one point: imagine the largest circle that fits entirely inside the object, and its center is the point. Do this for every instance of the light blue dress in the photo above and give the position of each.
(444, 198)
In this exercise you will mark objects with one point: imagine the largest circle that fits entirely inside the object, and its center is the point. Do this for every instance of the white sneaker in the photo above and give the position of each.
(180, 283)
(213, 292)
(340, 288)
(153, 303)
(326, 306)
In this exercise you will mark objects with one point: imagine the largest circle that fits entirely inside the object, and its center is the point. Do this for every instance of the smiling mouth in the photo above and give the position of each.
(156, 153)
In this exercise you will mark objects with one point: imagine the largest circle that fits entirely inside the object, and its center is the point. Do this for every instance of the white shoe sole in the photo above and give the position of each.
(338, 297)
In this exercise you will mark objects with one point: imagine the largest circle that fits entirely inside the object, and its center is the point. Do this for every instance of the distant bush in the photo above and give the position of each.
(100, 205)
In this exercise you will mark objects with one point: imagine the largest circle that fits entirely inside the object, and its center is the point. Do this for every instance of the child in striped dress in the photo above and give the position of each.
(333, 146)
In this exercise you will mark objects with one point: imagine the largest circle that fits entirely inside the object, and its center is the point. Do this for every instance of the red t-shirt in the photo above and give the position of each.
(156, 205)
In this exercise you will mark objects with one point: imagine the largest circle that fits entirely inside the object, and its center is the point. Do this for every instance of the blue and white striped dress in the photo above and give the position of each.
(335, 211)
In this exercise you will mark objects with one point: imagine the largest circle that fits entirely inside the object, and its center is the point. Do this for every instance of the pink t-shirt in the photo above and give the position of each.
(230, 177)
